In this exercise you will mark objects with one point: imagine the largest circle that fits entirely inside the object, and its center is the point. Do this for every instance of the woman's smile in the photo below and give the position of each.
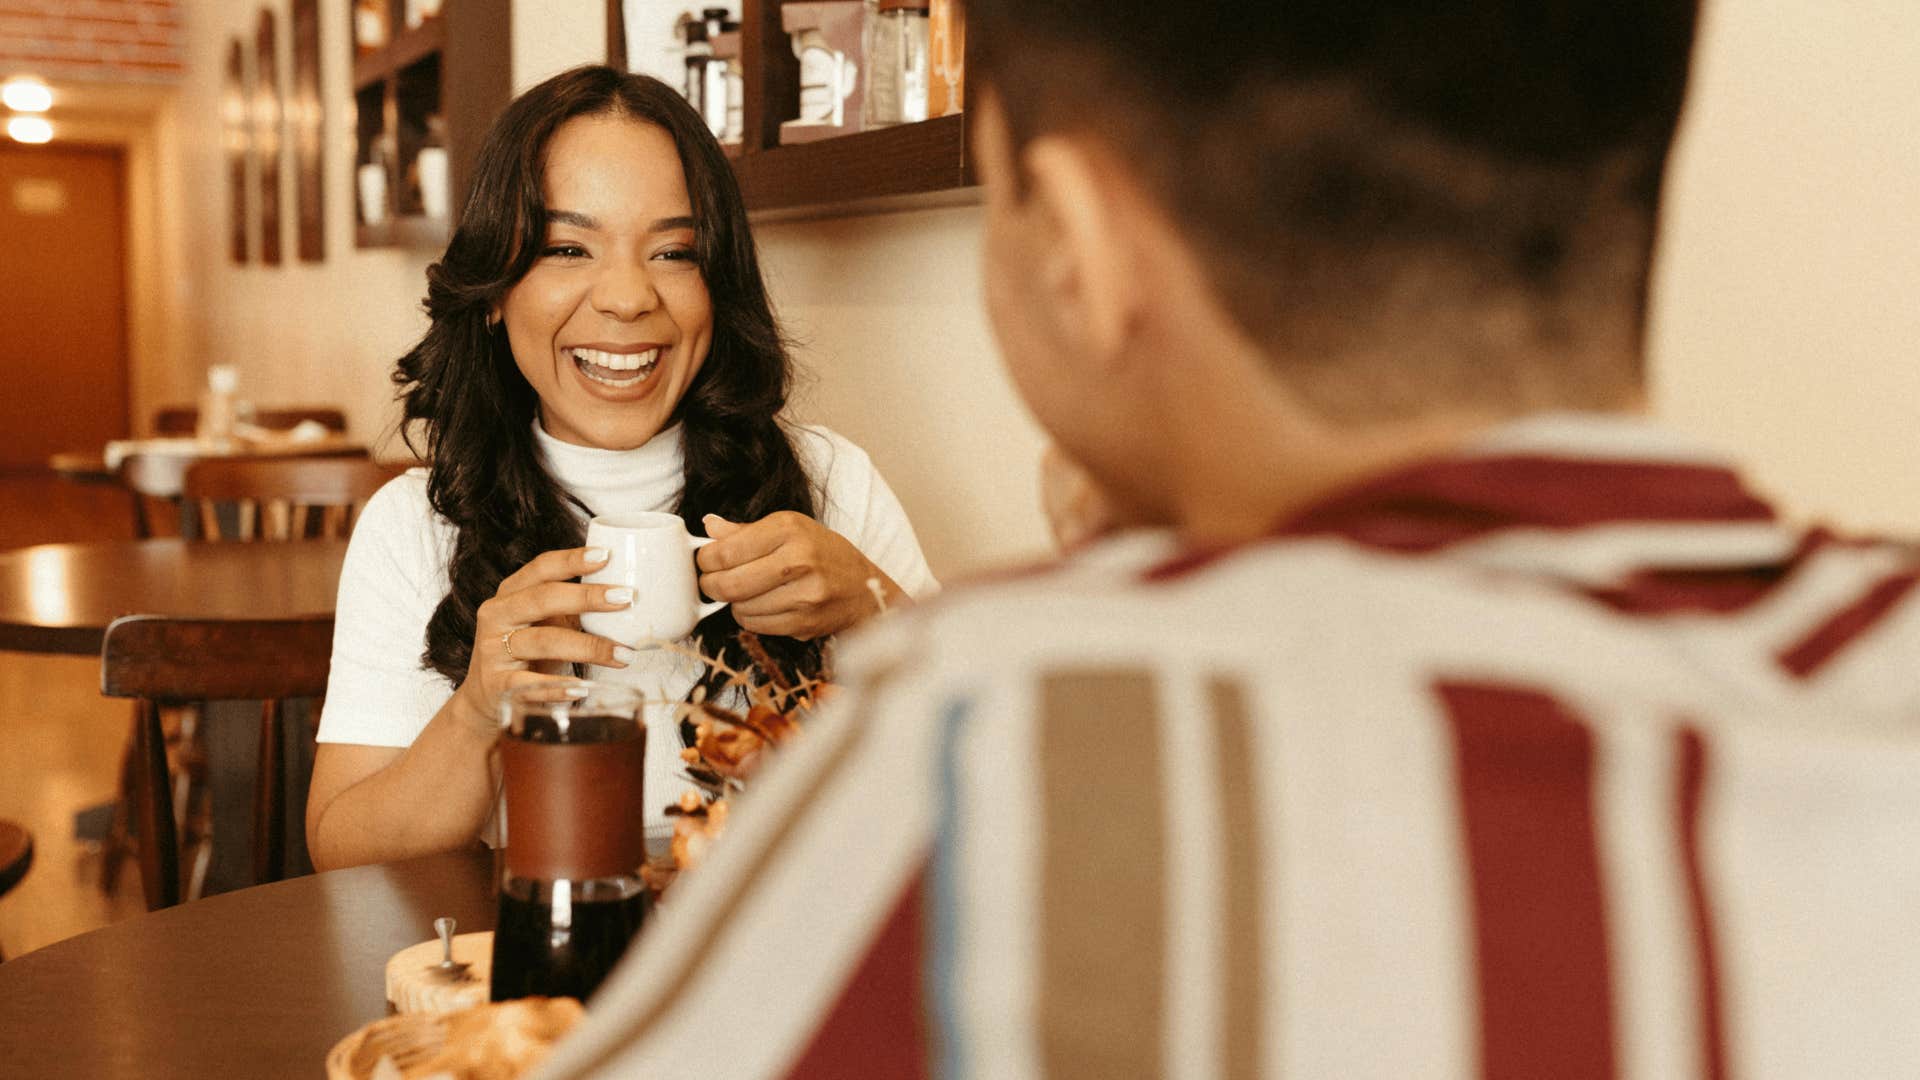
(619, 368)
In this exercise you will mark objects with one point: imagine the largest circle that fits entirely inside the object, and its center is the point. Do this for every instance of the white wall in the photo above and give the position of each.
(888, 313)
(1785, 321)
(1788, 312)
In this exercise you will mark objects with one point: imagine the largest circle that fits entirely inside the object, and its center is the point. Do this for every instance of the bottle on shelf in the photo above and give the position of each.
(946, 58)
(896, 46)
(218, 409)
(436, 197)
(715, 90)
(699, 53)
(371, 179)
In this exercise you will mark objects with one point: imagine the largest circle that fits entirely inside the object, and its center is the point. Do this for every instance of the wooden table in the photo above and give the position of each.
(255, 983)
(59, 598)
(83, 467)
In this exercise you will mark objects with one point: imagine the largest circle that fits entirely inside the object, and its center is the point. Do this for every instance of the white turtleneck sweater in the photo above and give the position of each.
(395, 575)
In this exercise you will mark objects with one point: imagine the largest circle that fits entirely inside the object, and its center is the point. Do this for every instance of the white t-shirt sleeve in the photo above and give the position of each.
(856, 502)
(378, 693)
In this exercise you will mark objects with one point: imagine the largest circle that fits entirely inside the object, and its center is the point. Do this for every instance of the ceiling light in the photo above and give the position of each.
(30, 129)
(26, 95)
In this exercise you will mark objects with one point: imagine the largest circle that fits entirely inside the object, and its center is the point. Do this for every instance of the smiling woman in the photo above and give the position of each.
(601, 343)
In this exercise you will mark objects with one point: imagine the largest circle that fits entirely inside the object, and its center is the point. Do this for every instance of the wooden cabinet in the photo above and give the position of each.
(424, 95)
(914, 164)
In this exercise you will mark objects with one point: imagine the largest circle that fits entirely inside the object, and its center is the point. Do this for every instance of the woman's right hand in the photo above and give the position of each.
(530, 630)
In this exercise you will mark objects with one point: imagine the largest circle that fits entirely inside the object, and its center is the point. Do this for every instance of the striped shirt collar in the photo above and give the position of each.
(1589, 499)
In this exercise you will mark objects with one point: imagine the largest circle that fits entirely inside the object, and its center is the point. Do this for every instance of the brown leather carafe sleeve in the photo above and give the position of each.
(574, 810)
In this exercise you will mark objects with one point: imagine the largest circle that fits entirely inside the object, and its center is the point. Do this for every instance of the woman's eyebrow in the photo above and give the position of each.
(587, 221)
(573, 217)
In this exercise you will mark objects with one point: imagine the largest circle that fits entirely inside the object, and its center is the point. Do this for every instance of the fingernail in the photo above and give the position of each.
(624, 654)
(578, 691)
(596, 554)
(621, 595)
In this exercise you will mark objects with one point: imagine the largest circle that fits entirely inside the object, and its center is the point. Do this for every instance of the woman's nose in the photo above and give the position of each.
(624, 291)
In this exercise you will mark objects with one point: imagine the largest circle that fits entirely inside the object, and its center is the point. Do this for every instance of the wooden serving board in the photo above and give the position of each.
(413, 986)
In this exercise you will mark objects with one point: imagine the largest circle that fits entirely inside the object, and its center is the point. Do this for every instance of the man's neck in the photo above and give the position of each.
(1261, 459)
(1240, 488)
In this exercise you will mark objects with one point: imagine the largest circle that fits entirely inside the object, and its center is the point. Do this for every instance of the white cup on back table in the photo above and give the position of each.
(652, 554)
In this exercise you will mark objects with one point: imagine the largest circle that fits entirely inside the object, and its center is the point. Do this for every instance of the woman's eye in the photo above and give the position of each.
(676, 254)
(565, 251)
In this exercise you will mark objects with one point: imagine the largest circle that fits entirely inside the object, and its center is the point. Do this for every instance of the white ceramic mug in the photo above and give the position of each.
(652, 554)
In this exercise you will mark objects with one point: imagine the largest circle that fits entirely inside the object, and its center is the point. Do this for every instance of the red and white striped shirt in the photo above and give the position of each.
(1563, 757)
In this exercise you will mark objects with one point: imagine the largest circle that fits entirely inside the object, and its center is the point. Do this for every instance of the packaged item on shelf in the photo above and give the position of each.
(419, 11)
(369, 24)
(828, 39)
(947, 58)
(897, 43)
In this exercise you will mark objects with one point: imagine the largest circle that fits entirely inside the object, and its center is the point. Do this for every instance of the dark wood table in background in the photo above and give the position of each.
(256, 983)
(59, 598)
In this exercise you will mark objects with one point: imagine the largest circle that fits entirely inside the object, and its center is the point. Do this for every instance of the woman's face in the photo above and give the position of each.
(613, 321)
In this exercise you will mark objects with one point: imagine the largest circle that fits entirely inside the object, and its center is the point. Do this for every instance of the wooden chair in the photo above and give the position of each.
(283, 498)
(147, 479)
(16, 856)
(185, 419)
(161, 661)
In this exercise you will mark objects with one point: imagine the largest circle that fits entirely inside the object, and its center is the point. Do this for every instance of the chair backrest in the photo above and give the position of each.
(184, 419)
(16, 854)
(173, 661)
(167, 661)
(153, 480)
(283, 498)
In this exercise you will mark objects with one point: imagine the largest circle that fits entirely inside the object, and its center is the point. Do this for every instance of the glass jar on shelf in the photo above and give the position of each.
(897, 61)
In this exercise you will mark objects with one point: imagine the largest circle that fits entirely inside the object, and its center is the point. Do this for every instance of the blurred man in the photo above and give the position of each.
(1460, 723)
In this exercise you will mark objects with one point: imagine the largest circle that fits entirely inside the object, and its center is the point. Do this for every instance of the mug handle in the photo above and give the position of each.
(709, 607)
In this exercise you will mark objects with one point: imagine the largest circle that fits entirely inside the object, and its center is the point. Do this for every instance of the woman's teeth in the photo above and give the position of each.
(616, 369)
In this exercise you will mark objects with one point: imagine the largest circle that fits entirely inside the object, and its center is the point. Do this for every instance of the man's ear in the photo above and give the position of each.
(1087, 269)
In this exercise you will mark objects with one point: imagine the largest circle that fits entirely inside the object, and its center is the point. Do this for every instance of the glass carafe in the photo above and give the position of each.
(572, 759)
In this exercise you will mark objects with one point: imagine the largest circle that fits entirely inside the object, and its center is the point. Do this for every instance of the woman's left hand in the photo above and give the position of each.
(789, 575)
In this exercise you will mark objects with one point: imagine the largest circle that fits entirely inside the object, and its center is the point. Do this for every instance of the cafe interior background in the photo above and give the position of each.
(1784, 318)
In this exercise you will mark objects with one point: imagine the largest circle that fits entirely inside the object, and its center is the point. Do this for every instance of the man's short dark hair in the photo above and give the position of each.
(1361, 175)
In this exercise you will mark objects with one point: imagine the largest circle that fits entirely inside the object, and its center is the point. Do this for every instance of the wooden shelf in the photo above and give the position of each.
(897, 167)
(908, 159)
(407, 47)
(446, 78)
(405, 232)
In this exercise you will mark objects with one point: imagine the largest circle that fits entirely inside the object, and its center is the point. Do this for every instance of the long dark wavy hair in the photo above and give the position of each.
(465, 396)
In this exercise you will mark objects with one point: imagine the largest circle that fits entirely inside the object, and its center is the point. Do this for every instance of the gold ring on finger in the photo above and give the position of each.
(506, 642)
